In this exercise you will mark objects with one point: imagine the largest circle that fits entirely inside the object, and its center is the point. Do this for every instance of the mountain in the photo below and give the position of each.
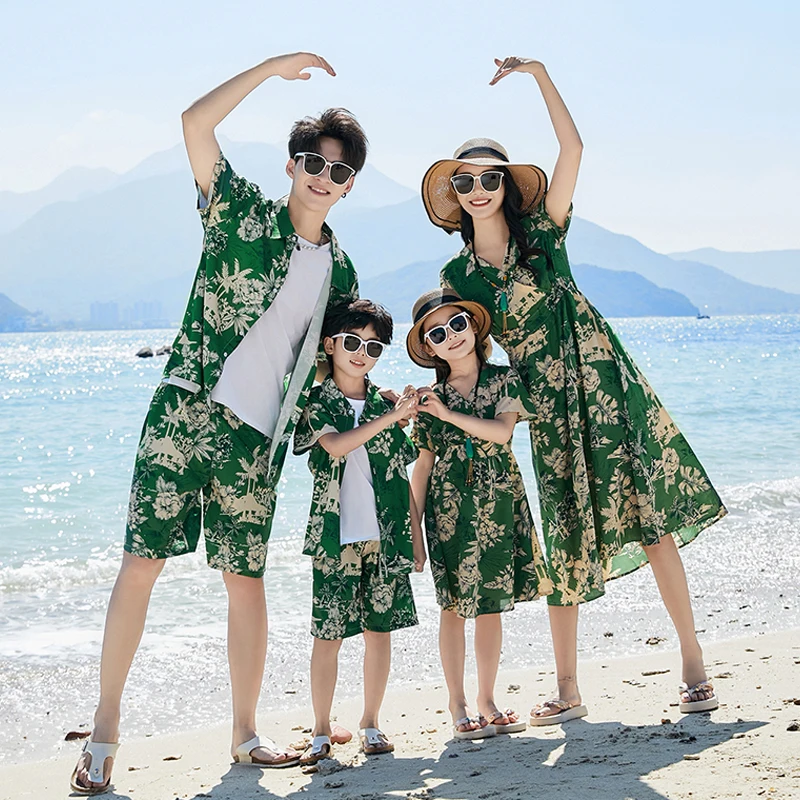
(613, 293)
(10, 313)
(710, 289)
(779, 269)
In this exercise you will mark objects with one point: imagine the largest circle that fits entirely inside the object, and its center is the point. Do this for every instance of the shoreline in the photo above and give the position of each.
(633, 744)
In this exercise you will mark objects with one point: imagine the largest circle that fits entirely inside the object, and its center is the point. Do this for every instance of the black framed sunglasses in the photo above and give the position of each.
(465, 182)
(314, 164)
(352, 343)
(457, 324)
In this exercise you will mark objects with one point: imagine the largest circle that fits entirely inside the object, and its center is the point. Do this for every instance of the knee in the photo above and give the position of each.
(140, 571)
(244, 587)
(377, 639)
(327, 648)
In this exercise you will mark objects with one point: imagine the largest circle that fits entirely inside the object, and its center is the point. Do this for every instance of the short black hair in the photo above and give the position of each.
(335, 123)
(347, 317)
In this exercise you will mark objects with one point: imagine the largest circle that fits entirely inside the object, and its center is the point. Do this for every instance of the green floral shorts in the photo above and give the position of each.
(196, 454)
(353, 594)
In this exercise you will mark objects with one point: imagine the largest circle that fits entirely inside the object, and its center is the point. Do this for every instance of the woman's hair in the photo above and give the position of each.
(335, 123)
(512, 209)
(441, 366)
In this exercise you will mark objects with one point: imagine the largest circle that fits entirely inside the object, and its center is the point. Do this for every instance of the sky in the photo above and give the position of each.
(688, 110)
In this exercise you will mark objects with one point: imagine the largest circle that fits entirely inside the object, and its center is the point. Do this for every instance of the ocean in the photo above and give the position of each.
(72, 405)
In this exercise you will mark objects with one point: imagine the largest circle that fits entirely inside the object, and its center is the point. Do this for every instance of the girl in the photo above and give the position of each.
(618, 483)
(483, 549)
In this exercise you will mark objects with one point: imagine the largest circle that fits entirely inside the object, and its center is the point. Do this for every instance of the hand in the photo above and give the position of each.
(290, 67)
(420, 557)
(430, 403)
(406, 406)
(513, 64)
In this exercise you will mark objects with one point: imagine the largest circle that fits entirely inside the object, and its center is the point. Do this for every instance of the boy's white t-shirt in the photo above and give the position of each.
(251, 384)
(358, 515)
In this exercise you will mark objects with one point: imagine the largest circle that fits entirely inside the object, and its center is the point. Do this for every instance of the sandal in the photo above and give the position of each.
(319, 749)
(514, 726)
(244, 754)
(100, 753)
(693, 706)
(374, 741)
(566, 711)
(483, 732)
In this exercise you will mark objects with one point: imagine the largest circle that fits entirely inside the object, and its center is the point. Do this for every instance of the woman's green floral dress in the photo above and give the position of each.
(614, 472)
(482, 545)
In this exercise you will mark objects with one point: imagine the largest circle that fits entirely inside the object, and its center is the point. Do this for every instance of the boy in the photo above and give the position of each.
(362, 532)
(219, 424)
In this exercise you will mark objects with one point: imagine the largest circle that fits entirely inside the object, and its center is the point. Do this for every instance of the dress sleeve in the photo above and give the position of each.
(314, 422)
(540, 223)
(512, 396)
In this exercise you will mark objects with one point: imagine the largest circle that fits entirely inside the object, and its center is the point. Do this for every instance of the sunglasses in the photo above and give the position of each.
(352, 343)
(465, 183)
(314, 164)
(458, 324)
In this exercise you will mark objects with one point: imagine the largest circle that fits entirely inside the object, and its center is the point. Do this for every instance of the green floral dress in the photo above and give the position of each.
(613, 470)
(482, 545)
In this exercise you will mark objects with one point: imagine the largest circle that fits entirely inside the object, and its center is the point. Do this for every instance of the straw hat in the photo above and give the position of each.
(438, 193)
(433, 301)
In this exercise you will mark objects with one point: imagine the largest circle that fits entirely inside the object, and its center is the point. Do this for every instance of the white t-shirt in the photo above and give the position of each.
(251, 384)
(358, 516)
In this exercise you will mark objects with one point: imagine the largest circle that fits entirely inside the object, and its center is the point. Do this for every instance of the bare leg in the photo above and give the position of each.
(125, 618)
(564, 631)
(324, 672)
(452, 650)
(488, 641)
(377, 662)
(671, 580)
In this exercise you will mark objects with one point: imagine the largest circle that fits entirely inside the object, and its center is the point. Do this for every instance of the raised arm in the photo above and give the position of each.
(203, 116)
(565, 172)
(498, 430)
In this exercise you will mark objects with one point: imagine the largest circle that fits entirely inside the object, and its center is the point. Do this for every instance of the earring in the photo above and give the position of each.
(344, 194)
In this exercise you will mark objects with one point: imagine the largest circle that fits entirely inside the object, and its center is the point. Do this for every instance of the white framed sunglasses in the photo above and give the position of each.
(490, 181)
(314, 164)
(457, 324)
(352, 343)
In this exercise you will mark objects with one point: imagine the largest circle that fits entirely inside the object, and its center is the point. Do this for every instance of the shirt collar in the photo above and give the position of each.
(282, 227)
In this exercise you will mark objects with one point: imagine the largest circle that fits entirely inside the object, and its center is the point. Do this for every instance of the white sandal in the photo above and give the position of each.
(566, 712)
(319, 748)
(99, 751)
(243, 754)
(693, 706)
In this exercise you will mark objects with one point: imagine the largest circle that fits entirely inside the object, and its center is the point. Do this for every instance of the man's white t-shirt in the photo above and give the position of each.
(252, 380)
(358, 516)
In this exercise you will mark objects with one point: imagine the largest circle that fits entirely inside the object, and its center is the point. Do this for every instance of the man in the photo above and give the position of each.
(219, 424)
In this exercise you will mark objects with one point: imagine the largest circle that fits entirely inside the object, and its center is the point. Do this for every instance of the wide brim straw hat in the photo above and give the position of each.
(438, 193)
(433, 301)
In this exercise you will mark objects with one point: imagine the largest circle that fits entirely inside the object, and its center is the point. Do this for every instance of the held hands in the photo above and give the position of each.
(430, 403)
(513, 64)
(420, 556)
(405, 407)
(290, 66)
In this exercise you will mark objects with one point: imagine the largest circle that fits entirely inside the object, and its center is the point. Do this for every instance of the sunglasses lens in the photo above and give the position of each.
(459, 323)
(351, 343)
(491, 181)
(463, 183)
(313, 164)
(340, 173)
(374, 349)
(437, 335)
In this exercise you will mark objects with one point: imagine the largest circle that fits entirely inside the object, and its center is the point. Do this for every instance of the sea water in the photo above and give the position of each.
(71, 409)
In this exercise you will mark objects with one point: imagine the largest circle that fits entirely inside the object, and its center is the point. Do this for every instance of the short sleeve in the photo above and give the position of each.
(541, 222)
(314, 423)
(512, 396)
(422, 433)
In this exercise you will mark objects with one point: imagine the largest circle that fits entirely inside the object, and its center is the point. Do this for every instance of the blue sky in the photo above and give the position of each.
(688, 110)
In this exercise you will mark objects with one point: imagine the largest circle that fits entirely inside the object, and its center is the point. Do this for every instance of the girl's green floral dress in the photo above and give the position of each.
(482, 545)
(614, 472)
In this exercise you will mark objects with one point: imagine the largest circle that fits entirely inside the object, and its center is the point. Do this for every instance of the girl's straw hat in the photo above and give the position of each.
(438, 193)
(432, 301)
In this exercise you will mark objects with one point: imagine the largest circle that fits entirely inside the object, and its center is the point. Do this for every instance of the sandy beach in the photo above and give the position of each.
(634, 743)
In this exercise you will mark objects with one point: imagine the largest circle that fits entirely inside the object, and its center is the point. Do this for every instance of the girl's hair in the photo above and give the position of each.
(442, 367)
(512, 209)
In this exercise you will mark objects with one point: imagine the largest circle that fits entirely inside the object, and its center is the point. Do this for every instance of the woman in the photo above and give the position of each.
(618, 483)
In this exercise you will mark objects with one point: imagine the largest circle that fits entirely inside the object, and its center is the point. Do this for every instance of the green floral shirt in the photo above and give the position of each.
(389, 453)
(246, 251)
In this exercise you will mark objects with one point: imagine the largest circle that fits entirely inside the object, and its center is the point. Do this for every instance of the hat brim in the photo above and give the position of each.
(440, 199)
(481, 317)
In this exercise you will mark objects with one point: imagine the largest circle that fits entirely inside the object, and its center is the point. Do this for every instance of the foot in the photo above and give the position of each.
(568, 697)
(105, 730)
(319, 749)
(92, 773)
(693, 670)
(374, 741)
(263, 751)
(464, 721)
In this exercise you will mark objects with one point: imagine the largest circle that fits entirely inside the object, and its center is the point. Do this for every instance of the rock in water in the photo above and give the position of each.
(145, 352)
(165, 350)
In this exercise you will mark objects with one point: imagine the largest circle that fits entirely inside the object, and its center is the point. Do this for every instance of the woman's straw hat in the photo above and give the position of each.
(433, 301)
(438, 193)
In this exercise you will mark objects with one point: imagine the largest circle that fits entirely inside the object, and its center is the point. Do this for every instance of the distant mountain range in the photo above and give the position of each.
(92, 235)
(10, 311)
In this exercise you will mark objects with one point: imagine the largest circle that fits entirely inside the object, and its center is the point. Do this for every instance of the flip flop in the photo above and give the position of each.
(319, 749)
(244, 754)
(694, 706)
(99, 751)
(484, 732)
(509, 727)
(374, 741)
(567, 712)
